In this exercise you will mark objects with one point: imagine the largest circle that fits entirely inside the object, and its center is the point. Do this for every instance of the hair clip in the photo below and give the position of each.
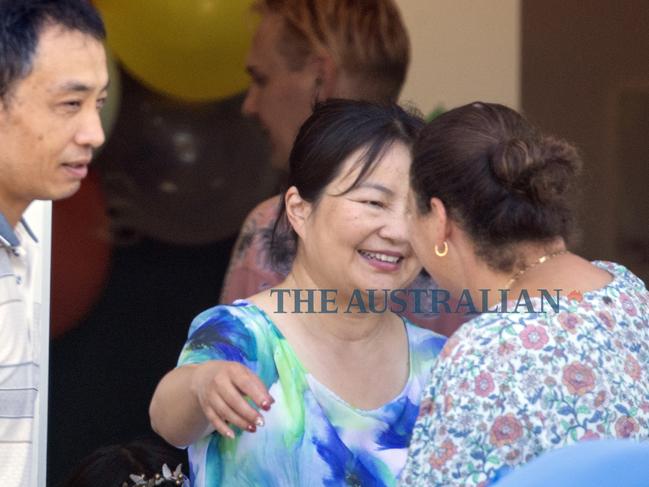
(167, 478)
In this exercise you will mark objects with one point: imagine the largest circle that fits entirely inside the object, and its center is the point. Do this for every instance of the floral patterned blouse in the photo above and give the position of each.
(508, 387)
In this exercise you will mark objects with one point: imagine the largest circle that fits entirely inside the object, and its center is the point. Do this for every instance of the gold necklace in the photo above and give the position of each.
(539, 261)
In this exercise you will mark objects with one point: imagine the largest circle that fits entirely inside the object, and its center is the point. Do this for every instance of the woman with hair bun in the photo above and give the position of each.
(492, 215)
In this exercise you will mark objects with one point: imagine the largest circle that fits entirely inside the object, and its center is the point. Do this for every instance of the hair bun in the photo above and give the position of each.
(509, 160)
(542, 170)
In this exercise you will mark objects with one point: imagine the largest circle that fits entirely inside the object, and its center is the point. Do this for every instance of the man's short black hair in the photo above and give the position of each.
(21, 22)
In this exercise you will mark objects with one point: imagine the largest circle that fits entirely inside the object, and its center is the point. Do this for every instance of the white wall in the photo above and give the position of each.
(39, 218)
(462, 51)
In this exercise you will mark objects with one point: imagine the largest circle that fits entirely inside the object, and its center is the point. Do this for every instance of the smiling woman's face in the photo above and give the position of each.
(358, 240)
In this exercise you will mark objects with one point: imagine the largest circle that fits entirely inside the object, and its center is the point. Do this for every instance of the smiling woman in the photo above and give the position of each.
(340, 390)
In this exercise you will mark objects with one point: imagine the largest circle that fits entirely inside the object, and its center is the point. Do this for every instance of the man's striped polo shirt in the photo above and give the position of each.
(19, 357)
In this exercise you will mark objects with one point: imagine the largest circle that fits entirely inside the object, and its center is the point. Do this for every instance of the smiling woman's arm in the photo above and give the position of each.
(217, 369)
(194, 400)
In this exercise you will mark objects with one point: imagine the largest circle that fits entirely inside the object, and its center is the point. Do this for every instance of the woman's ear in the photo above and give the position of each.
(442, 222)
(325, 72)
(297, 210)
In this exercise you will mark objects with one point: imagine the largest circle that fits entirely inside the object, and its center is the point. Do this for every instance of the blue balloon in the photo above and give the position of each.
(602, 463)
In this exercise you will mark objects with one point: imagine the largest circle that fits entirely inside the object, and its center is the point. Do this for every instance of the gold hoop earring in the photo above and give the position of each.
(443, 252)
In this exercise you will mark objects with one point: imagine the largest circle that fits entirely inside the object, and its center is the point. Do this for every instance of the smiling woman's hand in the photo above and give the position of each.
(194, 400)
(221, 388)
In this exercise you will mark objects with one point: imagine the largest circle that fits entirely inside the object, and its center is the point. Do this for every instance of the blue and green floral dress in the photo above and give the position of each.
(311, 437)
(508, 387)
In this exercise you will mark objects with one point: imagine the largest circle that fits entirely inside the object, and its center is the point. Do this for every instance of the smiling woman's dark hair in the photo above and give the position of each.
(500, 179)
(336, 129)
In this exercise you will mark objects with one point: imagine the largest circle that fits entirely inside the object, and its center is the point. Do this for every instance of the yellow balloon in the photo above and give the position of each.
(191, 49)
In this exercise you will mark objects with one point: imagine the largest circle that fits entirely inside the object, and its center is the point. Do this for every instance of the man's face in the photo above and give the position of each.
(49, 122)
(280, 98)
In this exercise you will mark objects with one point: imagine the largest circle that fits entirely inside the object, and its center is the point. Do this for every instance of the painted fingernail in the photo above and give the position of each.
(230, 435)
(259, 421)
(251, 428)
(265, 405)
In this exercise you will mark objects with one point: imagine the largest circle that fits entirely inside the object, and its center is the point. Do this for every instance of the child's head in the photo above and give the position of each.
(112, 466)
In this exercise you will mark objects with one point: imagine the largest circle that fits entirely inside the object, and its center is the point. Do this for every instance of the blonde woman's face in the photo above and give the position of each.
(279, 98)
